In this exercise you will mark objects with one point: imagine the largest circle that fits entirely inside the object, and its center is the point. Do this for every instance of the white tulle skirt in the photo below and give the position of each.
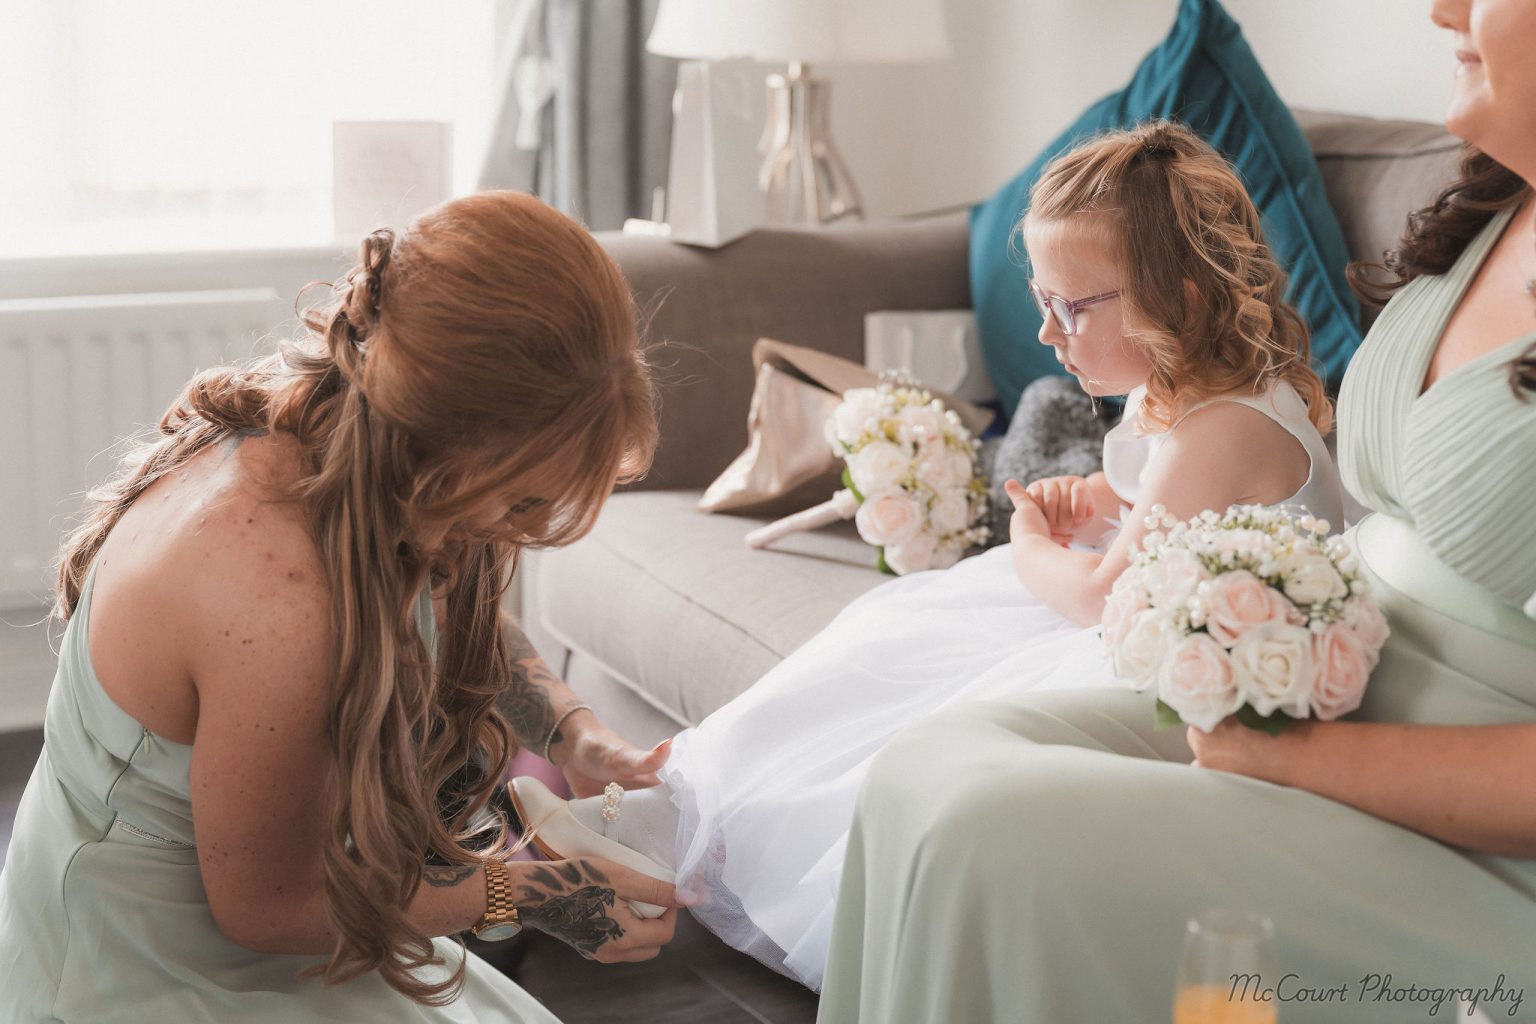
(765, 786)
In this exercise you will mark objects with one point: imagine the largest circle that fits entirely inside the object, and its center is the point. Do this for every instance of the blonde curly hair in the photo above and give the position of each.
(1203, 295)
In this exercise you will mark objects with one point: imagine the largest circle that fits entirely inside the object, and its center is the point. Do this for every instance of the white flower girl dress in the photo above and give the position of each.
(764, 788)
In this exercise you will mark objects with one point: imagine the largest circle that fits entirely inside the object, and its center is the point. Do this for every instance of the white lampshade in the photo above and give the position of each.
(814, 31)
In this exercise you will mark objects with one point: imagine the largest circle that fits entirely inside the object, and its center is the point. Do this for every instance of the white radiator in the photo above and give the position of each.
(76, 376)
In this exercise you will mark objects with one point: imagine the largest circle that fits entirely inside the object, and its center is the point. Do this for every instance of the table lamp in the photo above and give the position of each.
(803, 177)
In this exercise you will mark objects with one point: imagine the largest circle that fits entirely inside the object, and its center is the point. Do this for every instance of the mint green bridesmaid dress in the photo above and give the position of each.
(1036, 859)
(103, 916)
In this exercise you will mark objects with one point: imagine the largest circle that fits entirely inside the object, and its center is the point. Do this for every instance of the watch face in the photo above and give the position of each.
(498, 932)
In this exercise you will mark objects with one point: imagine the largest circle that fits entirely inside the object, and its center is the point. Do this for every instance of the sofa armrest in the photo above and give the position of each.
(804, 286)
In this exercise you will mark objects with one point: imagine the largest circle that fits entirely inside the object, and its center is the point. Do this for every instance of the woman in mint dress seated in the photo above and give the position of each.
(1035, 859)
(284, 639)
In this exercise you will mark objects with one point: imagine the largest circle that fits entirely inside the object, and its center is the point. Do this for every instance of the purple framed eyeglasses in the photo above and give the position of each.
(1063, 309)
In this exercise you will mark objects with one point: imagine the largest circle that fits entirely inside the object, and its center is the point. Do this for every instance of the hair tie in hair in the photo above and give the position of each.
(1159, 144)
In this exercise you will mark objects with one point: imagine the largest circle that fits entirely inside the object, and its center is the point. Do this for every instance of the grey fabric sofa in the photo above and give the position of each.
(661, 614)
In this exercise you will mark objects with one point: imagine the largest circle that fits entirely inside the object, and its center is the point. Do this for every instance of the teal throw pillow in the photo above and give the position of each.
(1204, 75)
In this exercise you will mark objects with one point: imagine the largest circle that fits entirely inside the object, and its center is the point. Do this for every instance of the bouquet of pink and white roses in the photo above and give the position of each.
(910, 483)
(1255, 612)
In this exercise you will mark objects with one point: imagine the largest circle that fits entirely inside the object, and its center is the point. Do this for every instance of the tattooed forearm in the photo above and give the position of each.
(564, 899)
(442, 877)
(527, 706)
(529, 701)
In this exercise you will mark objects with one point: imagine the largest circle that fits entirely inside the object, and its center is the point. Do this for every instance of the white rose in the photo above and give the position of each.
(914, 554)
(1141, 649)
(1274, 668)
(1238, 602)
(946, 555)
(949, 513)
(888, 517)
(878, 466)
(1173, 577)
(849, 420)
(1312, 578)
(942, 467)
(1196, 680)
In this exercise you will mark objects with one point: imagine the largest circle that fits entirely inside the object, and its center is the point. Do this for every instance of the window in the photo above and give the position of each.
(183, 124)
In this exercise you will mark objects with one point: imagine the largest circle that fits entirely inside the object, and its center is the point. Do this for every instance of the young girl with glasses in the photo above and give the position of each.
(1155, 282)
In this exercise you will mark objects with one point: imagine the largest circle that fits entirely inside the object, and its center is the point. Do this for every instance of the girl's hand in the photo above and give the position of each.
(584, 903)
(1028, 519)
(597, 756)
(1233, 747)
(1066, 501)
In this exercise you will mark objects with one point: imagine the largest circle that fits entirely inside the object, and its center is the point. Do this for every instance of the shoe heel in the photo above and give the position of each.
(545, 813)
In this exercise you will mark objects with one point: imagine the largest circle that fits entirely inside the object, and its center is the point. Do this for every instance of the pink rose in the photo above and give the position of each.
(1125, 601)
(1370, 626)
(1342, 664)
(888, 517)
(1196, 681)
(1238, 602)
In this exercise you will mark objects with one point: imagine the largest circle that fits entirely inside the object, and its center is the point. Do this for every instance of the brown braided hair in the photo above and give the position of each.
(494, 339)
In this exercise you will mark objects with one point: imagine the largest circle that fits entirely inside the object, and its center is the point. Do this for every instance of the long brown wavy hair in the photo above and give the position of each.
(1437, 235)
(1176, 213)
(493, 339)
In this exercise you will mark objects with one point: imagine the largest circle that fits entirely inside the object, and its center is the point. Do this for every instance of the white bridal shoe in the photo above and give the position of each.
(559, 836)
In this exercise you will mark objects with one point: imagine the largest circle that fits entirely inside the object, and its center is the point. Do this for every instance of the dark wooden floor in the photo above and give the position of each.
(695, 980)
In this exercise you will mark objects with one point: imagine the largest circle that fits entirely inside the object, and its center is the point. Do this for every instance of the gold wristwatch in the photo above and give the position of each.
(501, 920)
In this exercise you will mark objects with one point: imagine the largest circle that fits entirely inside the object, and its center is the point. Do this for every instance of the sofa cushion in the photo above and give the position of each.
(1204, 75)
(674, 606)
(1377, 173)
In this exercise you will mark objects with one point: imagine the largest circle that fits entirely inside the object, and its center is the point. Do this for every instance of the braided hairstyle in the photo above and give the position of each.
(1203, 295)
(494, 340)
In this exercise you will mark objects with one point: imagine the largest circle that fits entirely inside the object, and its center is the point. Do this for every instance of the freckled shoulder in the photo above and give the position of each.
(252, 575)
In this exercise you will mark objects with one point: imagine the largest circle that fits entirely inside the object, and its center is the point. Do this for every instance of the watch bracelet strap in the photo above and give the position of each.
(499, 908)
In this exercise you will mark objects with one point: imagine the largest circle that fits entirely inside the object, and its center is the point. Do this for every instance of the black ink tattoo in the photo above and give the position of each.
(579, 918)
(525, 703)
(570, 907)
(442, 877)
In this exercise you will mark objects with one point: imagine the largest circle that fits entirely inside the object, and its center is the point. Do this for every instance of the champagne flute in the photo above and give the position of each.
(1227, 970)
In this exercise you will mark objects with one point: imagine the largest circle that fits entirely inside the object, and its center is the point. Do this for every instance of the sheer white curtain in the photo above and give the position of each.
(159, 124)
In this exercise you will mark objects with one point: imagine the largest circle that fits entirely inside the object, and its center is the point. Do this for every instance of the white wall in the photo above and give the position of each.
(921, 137)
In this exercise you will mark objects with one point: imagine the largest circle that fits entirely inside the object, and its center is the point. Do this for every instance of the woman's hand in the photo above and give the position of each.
(592, 755)
(584, 903)
(1067, 503)
(1234, 747)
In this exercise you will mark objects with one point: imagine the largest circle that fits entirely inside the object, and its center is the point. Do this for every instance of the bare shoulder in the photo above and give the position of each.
(1226, 453)
(252, 576)
(1224, 426)
(208, 565)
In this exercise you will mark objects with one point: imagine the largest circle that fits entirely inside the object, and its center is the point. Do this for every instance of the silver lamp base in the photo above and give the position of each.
(804, 179)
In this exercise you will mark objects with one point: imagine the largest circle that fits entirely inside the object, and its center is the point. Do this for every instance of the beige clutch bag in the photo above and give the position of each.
(788, 464)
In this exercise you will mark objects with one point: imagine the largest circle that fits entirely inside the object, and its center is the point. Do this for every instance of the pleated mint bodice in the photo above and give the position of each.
(1458, 462)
